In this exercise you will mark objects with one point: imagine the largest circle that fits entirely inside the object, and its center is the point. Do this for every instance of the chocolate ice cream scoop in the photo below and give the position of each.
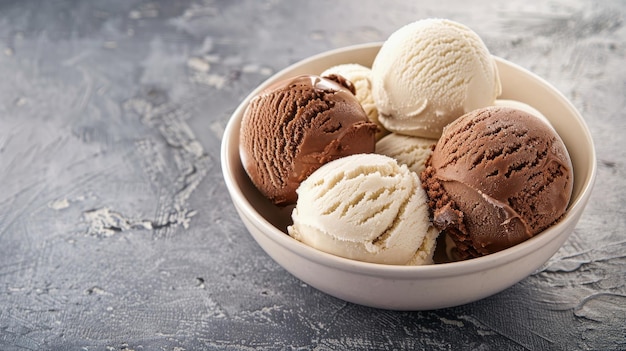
(295, 126)
(497, 177)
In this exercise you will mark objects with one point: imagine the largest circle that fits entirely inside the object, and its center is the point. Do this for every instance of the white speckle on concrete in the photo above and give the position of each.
(256, 68)
(451, 322)
(134, 14)
(59, 204)
(20, 101)
(212, 80)
(198, 64)
(217, 128)
(145, 11)
(110, 44)
(96, 290)
(194, 147)
(105, 222)
(211, 58)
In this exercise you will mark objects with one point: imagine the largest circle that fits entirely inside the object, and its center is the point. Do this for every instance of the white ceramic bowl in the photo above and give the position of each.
(413, 287)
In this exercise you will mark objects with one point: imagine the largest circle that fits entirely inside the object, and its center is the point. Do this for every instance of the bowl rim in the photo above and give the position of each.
(230, 140)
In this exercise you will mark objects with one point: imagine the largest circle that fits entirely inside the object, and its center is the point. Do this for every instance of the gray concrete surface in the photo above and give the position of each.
(116, 229)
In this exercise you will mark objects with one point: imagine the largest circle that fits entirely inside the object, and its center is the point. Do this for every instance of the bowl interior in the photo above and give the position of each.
(517, 83)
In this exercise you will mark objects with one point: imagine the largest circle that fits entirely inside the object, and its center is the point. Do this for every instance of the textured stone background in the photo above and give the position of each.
(116, 230)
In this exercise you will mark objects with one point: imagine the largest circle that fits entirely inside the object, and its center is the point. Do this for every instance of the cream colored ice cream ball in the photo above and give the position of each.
(430, 72)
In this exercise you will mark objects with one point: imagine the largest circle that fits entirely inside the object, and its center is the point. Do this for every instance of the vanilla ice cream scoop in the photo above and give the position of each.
(408, 150)
(365, 207)
(429, 73)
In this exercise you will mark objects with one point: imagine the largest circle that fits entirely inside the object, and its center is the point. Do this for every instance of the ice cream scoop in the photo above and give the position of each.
(295, 126)
(408, 150)
(497, 177)
(365, 207)
(430, 72)
(361, 79)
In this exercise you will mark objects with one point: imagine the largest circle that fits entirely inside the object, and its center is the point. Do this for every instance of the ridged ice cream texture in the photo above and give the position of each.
(430, 72)
(407, 150)
(522, 106)
(361, 78)
(295, 126)
(497, 177)
(365, 207)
